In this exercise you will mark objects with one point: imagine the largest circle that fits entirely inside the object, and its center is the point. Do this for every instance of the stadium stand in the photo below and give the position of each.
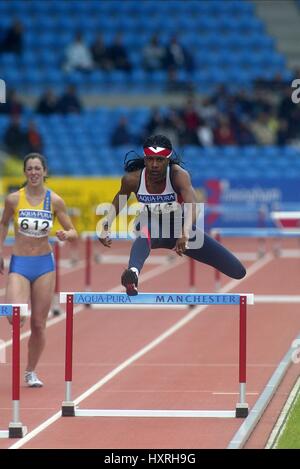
(227, 42)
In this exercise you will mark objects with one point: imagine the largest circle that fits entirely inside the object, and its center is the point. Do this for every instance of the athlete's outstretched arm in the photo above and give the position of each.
(68, 233)
(129, 184)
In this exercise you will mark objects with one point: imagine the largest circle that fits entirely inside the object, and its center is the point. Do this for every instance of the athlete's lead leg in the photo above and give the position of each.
(217, 256)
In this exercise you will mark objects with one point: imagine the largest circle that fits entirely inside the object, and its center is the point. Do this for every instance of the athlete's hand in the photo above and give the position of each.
(62, 235)
(1, 265)
(105, 239)
(181, 245)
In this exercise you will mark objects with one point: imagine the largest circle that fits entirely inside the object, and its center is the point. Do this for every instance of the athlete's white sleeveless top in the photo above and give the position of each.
(165, 202)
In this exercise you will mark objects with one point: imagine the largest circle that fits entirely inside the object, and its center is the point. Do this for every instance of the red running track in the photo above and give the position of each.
(194, 368)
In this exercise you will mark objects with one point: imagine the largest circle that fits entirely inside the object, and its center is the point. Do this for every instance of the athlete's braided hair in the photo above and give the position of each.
(133, 161)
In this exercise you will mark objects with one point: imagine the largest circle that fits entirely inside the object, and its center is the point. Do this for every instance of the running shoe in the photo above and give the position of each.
(32, 380)
(129, 280)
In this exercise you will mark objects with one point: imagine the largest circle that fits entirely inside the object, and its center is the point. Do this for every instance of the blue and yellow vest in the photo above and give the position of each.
(35, 221)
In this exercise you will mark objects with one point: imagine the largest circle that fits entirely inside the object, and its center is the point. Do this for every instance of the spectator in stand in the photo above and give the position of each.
(117, 55)
(156, 121)
(244, 134)
(78, 56)
(276, 84)
(286, 105)
(15, 138)
(170, 124)
(192, 121)
(177, 57)
(48, 103)
(35, 142)
(223, 134)
(69, 101)
(121, 134)
(13, 39)
(153, 54)
(263, 132)
(282, 133)
(13, 105)
(99, 53)
(205, 135)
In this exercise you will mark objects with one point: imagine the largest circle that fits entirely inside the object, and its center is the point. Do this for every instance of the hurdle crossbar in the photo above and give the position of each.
(256, 232)
(15, 428)
(260, 233)
(155, 299)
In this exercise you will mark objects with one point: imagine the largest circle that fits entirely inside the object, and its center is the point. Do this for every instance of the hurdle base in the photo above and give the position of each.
(241, 411)
(68, 409)
(56, 311)
(16, 430)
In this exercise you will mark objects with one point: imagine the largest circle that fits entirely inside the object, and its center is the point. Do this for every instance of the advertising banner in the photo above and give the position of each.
(246, 203)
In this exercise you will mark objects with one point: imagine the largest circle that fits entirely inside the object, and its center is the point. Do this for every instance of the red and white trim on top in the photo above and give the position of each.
(158, 151)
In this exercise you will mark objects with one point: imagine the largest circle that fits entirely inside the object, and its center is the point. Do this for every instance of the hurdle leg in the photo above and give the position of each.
(217, 272)
(16, 429)
(68, 406)
(276, 247)
(261, 252)
(192, 276)
(56, 309)
(88, 263)
(242, 406)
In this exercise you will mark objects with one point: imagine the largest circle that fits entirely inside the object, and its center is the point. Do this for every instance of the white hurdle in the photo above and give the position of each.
(15, 428)
(260, 233)
(156, 299)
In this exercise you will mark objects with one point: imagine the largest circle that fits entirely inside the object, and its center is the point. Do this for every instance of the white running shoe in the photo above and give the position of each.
(32, 380)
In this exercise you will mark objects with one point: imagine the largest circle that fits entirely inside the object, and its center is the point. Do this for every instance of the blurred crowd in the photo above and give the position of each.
(265, 115)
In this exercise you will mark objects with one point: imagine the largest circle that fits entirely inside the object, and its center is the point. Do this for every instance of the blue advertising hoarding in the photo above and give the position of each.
(246, 203)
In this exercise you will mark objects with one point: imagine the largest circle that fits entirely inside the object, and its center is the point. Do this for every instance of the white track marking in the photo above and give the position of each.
(178, 325)
(282, 420)
(123, 259)
(234, 393)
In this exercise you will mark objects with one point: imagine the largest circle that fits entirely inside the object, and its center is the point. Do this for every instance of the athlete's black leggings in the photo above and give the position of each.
(211, 253)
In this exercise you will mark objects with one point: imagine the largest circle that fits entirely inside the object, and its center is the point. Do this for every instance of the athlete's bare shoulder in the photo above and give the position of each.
(130, 181)
(55, 197)
(180, 177)
(176, 169)
(57, 201)
(12, 199)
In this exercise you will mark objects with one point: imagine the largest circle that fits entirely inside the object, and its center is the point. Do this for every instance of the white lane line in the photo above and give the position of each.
(121, 259)
(243, 433)
(290, 253)
(234, 393)
(283, 418)
(178, 325)
(246, 256)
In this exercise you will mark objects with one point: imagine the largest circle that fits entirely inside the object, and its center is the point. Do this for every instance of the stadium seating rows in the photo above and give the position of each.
(206, 27)
(80, 145)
